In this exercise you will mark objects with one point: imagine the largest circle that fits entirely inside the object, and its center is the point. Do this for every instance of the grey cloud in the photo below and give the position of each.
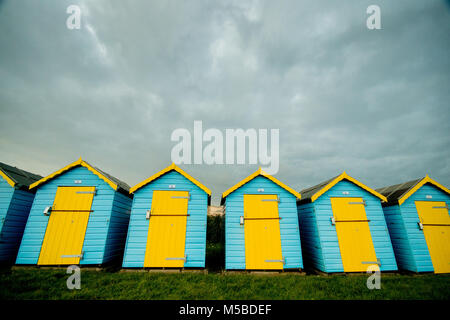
(373, 103)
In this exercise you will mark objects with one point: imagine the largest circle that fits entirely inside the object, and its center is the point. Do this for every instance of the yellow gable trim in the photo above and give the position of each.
(427, 179)
(341, 177)
(8, 179)
(174, 167)
(79, 162)
(259, 172)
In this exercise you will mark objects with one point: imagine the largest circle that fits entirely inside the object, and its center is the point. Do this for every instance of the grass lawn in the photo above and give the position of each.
(33, 283)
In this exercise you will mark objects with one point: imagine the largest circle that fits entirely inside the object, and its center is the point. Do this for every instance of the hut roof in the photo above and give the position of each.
(398, 193)
(16, 177)
(311, 194)
(115, 183)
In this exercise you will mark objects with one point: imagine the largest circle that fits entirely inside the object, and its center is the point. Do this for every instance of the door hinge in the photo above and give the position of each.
(420, 225)
(363, 203)
(242, 219)
(283, 260)
(182, 197)
(88, 192)
(73, 255)
(148, 213)
(184, 259)
(272, 200)
(333, 221)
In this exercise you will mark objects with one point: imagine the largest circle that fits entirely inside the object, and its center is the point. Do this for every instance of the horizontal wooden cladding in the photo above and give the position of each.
(409, 243)
(15, 206)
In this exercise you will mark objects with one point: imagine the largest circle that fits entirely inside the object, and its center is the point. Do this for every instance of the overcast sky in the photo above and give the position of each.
(374, 103)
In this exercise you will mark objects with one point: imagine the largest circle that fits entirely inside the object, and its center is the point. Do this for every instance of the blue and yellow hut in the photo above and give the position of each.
(79, 216)
(419, 223)
(343, 227)
(261, 225)
(168, 222)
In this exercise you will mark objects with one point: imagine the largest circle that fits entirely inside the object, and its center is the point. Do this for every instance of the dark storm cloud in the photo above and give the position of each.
(373, 103)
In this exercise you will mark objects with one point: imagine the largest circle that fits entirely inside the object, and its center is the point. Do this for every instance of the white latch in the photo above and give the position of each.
(441, 207)
(420, 225)
(47, 211)
(241, 220)
(372, 262)
(148, 214)
(333, 221)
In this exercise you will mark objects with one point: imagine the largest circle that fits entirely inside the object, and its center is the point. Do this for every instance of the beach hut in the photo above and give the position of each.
(168, 222)
(261, 225)
(343, 228)
(79, 216)
(418, 220)
(15, 204)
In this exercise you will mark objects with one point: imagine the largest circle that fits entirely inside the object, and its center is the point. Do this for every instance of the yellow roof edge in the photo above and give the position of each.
(8, 179)
(260, 172)
(101, 176)
(241, 183)
(172, 166)
(341, 177)
(427, 179)
(79, 162)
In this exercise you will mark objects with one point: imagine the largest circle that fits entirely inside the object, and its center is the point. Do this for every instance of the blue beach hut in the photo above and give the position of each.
(343, 228)
(79, 216)
(15, 204)
(419, 223)
(168, 222)
(261, 225)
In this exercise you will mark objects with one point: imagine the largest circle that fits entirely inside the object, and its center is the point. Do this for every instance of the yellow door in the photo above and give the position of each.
(262, 232)
(352, 228)
(64, 236)
(167, 229)
(436, 228)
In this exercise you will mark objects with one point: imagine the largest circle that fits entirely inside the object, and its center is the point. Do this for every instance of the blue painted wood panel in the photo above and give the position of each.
(195, 245)
(95, 241)
(399, 237)
(6, 193)
(234, 232)
(310, 238)
(14, 210)
(118, 227)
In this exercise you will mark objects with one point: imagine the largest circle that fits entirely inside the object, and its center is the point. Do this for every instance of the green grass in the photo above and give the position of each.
(34, 283)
